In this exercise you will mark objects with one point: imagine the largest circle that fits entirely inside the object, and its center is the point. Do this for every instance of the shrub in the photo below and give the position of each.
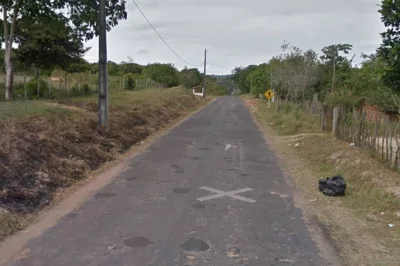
(130, 82)
(35, 89)
(347, 101)
(255, 91)
(82, 90)
(19, 91)
(86, 88)
(2, 91)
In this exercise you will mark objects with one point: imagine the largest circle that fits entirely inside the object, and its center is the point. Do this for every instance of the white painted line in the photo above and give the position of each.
(228, 146)
(232, 194)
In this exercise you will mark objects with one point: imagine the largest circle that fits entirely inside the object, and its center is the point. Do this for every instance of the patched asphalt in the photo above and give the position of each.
(150, 215)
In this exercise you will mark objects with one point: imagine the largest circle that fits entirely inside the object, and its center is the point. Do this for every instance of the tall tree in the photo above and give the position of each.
(335, 60)
(47, 43)
(334, 54)
(163, 73)
(113, 69)
(78, 66)
(390, 48)
(241, 77)
(82, 14)
(190, 77)
(260, 79)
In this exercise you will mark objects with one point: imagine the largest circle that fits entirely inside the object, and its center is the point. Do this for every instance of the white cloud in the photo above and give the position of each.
(240, 32)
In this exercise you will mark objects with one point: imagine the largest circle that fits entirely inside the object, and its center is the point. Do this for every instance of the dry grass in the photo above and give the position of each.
(10, 110)
(357, 224)
(41, 154)
(11, 223)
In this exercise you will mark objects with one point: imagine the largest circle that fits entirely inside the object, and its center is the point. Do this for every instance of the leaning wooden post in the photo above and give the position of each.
(335, 123)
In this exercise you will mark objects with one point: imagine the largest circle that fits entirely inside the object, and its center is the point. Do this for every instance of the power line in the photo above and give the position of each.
(147, 40)
(158, 7)
(151, 25)
(211, 64)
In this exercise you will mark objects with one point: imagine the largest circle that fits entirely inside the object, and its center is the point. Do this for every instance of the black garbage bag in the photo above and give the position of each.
(333, 187)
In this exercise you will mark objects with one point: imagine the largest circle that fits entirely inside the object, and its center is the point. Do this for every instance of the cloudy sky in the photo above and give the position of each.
(239, 32)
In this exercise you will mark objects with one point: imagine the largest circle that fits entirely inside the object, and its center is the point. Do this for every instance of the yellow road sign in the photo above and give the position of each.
(269, 94)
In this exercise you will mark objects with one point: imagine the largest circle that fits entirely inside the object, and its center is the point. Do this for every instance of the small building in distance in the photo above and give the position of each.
(373, 112)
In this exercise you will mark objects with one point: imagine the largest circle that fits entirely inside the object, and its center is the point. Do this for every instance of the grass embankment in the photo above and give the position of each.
(357, 224)
(47, 146)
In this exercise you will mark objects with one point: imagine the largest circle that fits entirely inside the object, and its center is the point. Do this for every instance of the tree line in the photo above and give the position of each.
(166, 74)
(40, 36)
(46, 31)
(298, 74)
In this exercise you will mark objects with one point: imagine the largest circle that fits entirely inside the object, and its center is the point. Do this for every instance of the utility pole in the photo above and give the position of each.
(334, 73)
(103, 86)
(273, 98)
(205, 68)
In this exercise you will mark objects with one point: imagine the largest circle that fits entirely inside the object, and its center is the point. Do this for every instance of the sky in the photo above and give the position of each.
(238, 32)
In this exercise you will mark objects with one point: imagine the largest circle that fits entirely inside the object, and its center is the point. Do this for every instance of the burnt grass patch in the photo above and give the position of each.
(41, 154)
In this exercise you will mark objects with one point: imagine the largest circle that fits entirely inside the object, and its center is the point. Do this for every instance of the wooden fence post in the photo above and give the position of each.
(25, 92)
(49, 85)
(335, 123)
(314, 103)
(38, 88)
(359, 127)
(277, 101)
(324, 115)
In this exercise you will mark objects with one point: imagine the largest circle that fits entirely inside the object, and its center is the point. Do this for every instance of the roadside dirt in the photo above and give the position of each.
(357, 225)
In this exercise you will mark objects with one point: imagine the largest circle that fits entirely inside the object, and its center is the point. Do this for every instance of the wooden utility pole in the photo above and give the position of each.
(334, 74)
(335, 124)
(205, 68)
(273, 98)
(103, 86)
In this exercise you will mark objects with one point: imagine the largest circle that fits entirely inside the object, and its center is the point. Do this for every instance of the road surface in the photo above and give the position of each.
(209, 192)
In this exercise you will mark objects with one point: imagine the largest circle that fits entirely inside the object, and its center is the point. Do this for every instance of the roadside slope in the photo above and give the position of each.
(356, 224)
(45, 147)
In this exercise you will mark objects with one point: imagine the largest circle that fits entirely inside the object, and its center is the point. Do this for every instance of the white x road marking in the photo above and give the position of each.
(231, 194)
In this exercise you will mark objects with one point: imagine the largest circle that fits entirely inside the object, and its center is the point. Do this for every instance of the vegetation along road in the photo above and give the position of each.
(170, 178)
(210, 192)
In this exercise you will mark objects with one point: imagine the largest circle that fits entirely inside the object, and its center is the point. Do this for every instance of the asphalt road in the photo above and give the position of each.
(169, 207)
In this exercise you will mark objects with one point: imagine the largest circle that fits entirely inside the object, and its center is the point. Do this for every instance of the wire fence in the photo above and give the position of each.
(70, 85)
(375, 132)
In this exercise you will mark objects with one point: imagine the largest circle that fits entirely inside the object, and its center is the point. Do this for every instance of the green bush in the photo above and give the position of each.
(19, 91)
(297, 114)
(82, 90)
(86, 88)
(346, 101)
(255, 91)
(130, 82)
(35, 89)
(287, 108)
(2, 91)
